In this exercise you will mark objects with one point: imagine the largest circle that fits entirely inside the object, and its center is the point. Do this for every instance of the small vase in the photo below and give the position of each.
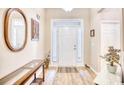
(112, 69)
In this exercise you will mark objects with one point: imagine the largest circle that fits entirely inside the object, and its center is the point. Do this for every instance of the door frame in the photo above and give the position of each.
(103, 21)
(82, 63)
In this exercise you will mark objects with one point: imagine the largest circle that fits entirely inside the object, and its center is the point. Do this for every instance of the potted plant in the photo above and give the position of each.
(47, 60)
(47, 63)
(112, 57)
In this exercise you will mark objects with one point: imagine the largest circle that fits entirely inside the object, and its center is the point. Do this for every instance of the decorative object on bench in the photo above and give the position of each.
(47, 61)
(112, 57)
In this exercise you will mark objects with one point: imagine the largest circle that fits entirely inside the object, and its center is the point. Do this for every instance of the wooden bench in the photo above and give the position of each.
(23, 74)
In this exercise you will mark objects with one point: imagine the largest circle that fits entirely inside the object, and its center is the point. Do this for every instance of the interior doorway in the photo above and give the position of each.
(67, 42)
(110, 36)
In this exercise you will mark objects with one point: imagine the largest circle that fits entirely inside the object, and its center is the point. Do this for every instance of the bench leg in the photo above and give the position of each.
(43, 73)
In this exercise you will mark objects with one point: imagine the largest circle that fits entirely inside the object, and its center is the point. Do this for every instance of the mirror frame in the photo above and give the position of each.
(6, 30)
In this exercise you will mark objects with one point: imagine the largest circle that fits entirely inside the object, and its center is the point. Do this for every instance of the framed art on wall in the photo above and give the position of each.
(34, 30)
(92, 33)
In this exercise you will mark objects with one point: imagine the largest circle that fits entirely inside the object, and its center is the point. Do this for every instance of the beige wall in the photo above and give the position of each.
(57, 13)
(105, 14)
(9, 60)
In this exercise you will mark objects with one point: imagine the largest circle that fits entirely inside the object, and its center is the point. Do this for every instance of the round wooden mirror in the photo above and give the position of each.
(15, 27)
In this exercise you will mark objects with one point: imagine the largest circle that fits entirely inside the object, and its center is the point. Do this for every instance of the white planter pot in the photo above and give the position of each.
(112, 69)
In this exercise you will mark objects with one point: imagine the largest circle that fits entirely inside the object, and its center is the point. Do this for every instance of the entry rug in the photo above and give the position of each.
(68, 76)
(67, 70)
(72, 76)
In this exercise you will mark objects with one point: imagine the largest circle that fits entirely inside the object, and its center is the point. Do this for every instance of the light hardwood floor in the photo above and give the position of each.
(69, 76)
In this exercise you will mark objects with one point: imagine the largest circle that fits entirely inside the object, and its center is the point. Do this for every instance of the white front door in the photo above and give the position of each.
(67, 46)
(67, 43)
